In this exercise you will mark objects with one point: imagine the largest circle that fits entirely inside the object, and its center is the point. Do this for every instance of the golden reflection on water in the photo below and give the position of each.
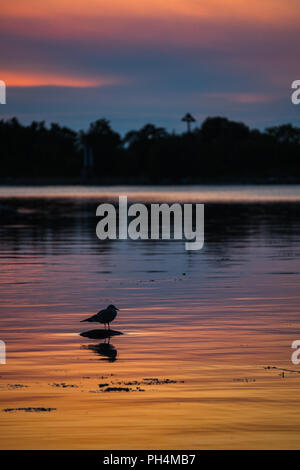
(210, 323)
(195, 193)
(228, 399)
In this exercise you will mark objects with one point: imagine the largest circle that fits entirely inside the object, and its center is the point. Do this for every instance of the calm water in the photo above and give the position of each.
(209, 321)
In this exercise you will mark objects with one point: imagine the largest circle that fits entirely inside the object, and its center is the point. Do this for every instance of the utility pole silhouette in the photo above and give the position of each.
(188, 118)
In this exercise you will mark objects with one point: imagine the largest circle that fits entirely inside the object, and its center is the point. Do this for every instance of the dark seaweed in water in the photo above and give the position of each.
(117, 389)
(16, 386)
(63, 385)
(155, 381)
(30, 409)
(100, 334)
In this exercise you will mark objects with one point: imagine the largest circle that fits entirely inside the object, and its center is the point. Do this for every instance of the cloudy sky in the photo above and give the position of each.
(138, 61)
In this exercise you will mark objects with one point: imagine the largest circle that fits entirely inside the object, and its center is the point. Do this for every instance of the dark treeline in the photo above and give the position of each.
(219, 150)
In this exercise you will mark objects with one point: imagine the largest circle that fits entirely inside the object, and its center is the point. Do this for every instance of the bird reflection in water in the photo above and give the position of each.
(104, 349)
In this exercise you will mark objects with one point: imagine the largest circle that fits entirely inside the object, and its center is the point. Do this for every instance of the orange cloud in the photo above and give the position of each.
(268, 11)
(183, 22)
(242, 98)
(25, 79)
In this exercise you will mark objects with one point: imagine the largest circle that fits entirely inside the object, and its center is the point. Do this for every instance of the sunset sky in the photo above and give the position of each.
(150, 61)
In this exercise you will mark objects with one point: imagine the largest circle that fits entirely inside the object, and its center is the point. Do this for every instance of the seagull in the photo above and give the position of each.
(106, 316)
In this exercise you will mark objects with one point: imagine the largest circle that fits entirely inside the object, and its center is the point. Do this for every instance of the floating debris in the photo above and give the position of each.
(110, 385)
(16, 386)
(117, 389)
(134, 382)
(63, 385)
(244, 379)
(30, 409)
(155, 381)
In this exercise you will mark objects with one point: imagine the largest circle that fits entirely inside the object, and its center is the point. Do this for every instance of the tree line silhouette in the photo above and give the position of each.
(219, 150)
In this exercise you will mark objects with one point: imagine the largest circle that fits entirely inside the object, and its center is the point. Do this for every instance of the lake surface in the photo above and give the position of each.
(212, 329)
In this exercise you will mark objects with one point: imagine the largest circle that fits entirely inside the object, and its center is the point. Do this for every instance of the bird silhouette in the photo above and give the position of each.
(105, 316)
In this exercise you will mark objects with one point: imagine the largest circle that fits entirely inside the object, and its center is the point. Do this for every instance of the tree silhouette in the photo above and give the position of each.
(219, 150)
